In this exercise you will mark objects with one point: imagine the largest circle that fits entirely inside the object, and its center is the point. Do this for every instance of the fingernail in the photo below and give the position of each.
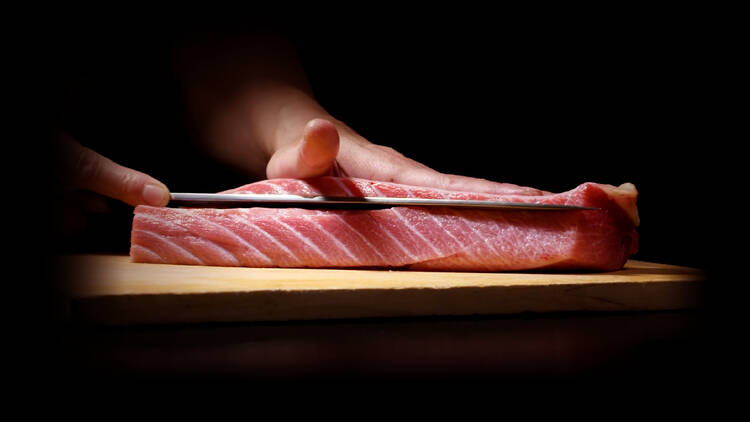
(154, 195)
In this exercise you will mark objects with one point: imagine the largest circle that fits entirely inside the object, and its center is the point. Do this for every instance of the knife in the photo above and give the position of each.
(246, 200)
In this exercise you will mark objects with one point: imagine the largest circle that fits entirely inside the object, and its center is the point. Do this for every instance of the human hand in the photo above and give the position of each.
(84, 169)
(329, 147)
(254, 110)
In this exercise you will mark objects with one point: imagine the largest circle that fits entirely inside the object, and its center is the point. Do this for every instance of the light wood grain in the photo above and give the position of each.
(110, 289)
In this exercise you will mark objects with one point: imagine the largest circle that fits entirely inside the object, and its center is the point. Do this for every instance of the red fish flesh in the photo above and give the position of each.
(445, 239)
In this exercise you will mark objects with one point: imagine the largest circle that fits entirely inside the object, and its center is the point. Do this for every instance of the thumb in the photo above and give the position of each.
(86, 169)
(311, 156)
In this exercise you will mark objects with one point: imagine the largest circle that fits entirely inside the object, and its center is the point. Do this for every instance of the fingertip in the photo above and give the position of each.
(320, 145)
(155, 194)
(311, 156)
(319, 125)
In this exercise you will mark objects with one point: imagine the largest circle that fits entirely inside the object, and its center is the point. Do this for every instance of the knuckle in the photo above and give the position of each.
(88, 166)
(129, 182)
(388, 150)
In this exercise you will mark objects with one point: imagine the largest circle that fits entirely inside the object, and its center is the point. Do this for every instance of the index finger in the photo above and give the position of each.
(86, 169)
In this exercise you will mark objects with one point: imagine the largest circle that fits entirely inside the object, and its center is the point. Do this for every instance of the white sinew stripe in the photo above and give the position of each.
(163, 239)
(332, 237)
(410, 227)
(304, 189)
(232, 235)
(343, 186)
(473, 230)
(437, 221)
(361, 236)
(478, 235)
(226, 253)
(386, 231)
(398, 243)
(276, 189)
(146, 251)
(338, 242)
(267, 235)
(303, 239)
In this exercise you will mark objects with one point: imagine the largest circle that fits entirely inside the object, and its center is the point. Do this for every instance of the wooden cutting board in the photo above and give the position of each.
(110, 289)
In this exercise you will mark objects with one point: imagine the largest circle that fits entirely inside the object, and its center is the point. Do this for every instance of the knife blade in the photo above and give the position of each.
(246, 200)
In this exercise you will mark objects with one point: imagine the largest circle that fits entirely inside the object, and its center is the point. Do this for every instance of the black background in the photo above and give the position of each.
(543, 98)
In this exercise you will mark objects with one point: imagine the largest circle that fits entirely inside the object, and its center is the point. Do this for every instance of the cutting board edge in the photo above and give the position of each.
(104, 275)
(408, 302)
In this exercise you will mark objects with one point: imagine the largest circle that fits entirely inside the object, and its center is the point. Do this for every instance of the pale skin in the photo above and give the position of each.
(253, 109)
